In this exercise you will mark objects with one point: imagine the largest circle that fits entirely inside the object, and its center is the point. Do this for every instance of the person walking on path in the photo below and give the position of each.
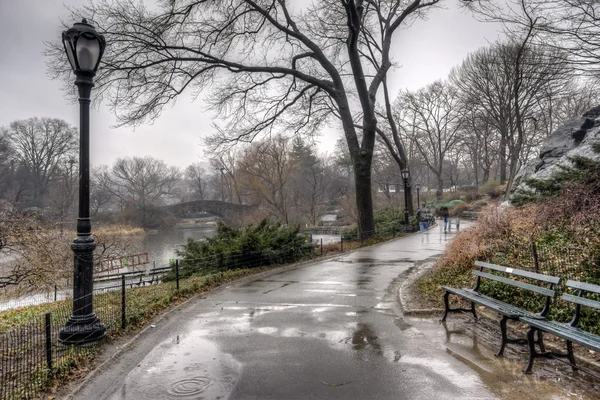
(423, 216)
(445, 213)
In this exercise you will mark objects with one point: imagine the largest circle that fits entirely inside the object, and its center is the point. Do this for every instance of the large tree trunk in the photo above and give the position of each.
(502, 158)
(440, 187)
(486, 174)
(364, 200)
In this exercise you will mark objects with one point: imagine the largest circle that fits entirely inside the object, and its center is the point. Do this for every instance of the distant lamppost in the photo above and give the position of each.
(84, 48)
(405, 176)
(222, 169)
(418, 187)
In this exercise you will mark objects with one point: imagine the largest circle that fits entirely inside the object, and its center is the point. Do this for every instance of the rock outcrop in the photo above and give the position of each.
(574, 137)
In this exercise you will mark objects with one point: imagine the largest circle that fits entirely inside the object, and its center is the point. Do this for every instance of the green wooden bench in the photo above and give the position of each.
(568, 331)
(544, 286)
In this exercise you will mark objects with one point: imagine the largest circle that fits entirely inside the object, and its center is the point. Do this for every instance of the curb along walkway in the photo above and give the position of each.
(329, 329)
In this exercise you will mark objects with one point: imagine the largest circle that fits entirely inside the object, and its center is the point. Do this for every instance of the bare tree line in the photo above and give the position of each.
(276, 68)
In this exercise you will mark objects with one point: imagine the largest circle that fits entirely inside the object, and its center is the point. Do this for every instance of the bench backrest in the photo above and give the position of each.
(579, 300)
(550, 281)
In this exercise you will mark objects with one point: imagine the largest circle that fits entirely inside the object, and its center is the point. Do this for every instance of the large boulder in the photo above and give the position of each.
(574, 137)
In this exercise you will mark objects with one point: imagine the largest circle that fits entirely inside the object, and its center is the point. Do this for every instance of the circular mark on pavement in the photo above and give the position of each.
(189, 387)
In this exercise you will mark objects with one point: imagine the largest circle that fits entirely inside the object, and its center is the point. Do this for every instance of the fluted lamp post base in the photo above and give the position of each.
(82, 329)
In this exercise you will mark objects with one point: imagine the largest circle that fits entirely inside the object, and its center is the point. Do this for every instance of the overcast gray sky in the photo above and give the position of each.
(427, 51)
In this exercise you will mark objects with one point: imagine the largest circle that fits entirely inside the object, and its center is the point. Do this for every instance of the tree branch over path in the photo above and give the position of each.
(265, 67)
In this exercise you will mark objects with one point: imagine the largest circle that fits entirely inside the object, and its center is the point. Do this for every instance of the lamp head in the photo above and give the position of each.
(405, 174)
(84, 47)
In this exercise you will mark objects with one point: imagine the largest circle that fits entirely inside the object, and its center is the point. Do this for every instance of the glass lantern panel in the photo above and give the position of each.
(69, 51)
(88, 52)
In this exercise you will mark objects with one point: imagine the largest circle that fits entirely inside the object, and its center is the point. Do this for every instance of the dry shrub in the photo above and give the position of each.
(496, 227)
(116, 241)
(35, 255)
(492, 189)
(458, 209)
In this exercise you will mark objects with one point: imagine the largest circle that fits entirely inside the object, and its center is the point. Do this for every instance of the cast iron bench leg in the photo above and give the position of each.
(473, 310)
(446, 305)
(540, 342)
(570, 355)
(532, 353)
(504, 336)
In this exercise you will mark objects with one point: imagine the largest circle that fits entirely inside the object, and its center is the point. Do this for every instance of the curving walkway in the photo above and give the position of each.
(324, 330)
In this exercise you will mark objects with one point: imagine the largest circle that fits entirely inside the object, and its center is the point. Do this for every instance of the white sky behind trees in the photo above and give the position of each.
(427, 51)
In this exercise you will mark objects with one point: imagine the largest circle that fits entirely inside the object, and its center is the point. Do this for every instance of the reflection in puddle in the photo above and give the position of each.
(458, 378)
(183, 367)
(504, 375)
(268, 330)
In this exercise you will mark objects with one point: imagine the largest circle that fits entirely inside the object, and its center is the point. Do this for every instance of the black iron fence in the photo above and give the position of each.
(30, 352)
(571, 261)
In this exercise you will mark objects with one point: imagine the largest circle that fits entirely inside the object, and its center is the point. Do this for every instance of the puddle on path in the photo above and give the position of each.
(184, 367)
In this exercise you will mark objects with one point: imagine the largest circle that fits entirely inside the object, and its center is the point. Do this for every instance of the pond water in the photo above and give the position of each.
(163, 245)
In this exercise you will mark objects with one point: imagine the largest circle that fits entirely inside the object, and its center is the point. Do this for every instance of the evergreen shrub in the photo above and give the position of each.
(253, 246)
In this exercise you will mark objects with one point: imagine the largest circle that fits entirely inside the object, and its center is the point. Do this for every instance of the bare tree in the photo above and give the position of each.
(101, 192)
(62, 190)
(34, 257)
(480, 139)
(310, 181)
(570, 26)
(198, 179)
(141, 182)
(267, 171)
(226, 180)
(41, 146)
(6, 164)
(273, 66)
(435, 126)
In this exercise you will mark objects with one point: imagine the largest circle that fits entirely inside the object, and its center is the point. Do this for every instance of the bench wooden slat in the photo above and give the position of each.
(512, 282)
(581, 300)
(588, 287)
(519, 272)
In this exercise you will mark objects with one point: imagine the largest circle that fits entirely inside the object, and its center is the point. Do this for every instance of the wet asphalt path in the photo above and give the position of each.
(325, 330)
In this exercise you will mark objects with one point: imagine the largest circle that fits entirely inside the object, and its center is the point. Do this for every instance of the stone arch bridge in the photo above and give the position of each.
(227, 211)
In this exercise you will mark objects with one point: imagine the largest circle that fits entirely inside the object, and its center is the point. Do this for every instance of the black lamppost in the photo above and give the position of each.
(418, 187)
(222, 169)
(405, 176)
(84, 47)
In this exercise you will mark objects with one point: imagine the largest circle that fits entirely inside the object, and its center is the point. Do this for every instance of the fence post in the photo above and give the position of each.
(123, 303)
(536, 264)
(321, 246)
(48, 342)
(341, 243)
(55, 290)
(177, 273)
